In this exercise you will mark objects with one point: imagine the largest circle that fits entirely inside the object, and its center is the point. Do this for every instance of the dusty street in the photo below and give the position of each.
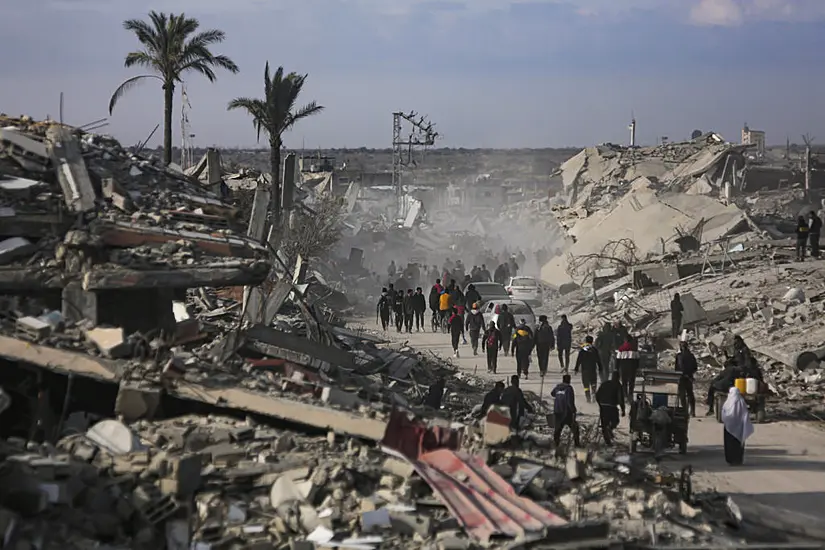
(784, 461)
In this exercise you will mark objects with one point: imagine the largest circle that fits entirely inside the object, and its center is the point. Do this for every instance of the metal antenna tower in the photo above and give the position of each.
(420, 134)
(187, 151)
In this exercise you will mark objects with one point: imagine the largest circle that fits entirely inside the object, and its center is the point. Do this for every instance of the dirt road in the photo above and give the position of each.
(784, 461)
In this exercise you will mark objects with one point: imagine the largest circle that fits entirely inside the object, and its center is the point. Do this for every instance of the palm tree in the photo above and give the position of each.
(273, 115)
(171, 47)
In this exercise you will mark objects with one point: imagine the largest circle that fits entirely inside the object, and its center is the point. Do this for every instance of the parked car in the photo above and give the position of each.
(526, 289)
(518, 308)
(490, 291)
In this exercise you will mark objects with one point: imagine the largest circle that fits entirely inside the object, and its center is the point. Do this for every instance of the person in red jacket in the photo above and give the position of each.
(627, 363)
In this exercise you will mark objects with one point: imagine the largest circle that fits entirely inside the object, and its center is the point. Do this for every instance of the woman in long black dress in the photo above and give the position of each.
(738, 427)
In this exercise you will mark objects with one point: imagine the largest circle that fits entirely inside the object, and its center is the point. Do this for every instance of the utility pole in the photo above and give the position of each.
(808, 139)
(421, 134)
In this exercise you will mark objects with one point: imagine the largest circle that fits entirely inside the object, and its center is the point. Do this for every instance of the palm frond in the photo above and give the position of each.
(145, 33)
(127, 85)
(307, 110)
(141, 59)
(256, 108)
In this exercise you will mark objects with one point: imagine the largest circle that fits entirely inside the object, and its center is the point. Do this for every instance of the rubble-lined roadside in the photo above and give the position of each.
(130, 349)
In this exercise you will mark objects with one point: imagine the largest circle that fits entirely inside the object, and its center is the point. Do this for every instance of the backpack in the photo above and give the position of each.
(492, 340)
(562, 404)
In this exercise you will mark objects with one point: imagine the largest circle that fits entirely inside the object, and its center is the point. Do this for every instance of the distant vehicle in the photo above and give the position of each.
(490, 291)
(518, 308)
(525, 288)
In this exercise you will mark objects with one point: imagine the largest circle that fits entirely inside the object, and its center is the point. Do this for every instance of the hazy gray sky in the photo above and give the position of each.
(490, 73)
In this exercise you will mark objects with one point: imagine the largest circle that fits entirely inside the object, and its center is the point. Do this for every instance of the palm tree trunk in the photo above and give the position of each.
(168, 101)
(275, 174)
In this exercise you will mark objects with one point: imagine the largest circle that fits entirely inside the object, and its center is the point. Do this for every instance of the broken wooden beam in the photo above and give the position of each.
(213, 275)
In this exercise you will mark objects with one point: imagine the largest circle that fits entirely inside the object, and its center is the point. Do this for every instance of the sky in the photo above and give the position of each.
(488, 73)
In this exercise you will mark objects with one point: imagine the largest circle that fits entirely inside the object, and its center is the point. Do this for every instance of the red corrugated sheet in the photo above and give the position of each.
(483, 502)
(412, 438)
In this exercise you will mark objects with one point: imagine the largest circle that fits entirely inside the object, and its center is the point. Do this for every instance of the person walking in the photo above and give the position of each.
(687, 366)
(456, 326)
(564, 341)
(676, 310)
(474, 325)
(610, 398)
(398, 309)
(522, 348)
(738, 427)
(814, 229)
(419, 307)
(802, 231)
(627, 365)
(564, 411)
(382, 309)
(545, 341)
(491, 342)
(409, 311)
(513, 398)
(590, 363)
(506, 324)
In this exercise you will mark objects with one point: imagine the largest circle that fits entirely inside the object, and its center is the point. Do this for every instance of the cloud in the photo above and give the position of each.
(723, 13)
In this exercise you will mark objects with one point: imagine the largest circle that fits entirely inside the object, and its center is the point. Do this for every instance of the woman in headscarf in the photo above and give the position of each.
(738, 427)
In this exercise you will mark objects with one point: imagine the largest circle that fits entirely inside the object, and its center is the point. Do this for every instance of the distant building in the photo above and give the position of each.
(754, 137)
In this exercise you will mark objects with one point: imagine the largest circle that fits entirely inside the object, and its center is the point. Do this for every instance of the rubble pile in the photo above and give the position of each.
(217, 482)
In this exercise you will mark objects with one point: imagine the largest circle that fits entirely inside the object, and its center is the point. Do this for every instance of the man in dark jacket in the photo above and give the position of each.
(419, 307)
(545, 341)
(564, 410)
(500, 275)
(491, 342)
(513, 398)
(382, 310)
(492, 398)
(564, 341)
(474, 324)
(676, 309)
(802, 231)
(484, 274)
(435, 293)
(506, 324)
(610, 398)
(522, 348)
(627, 365)
(814, 229)
(686, 365)
(435, 393)
(472, 296)
(722, 382)
(409, 310)
(590, 363)
(456, 325)
(398, 309)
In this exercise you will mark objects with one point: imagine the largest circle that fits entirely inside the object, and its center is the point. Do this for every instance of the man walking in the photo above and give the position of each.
(419, 307)
(506, 324)
(409, 311)
(398, 309)
(686, 365)
(544, 341)
(513, 398)
(492, 343)
(627, 363)
(474, 324)
(456, 325)
(522, 348)
(676, 309)
(814, 229)
(564, 341)
(590, 364)
(564, 410)
(610, 398)
(382, 309)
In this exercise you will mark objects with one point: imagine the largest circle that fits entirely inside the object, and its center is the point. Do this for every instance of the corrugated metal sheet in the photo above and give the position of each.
(484, 504)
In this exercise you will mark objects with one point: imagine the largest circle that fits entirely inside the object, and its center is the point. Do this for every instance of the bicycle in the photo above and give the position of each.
(445, 324)
(434, 323)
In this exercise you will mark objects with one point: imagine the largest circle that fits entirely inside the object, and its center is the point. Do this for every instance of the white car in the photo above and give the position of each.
(519, 309)
(526, 289)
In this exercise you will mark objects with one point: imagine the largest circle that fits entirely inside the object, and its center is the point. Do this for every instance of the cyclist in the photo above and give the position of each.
(445, 304)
